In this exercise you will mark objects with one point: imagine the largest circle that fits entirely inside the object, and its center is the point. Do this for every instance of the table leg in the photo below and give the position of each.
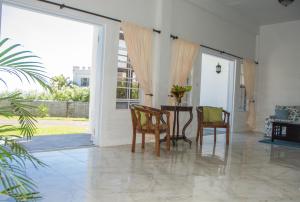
(185, 127)
(174, 136)
(174, 125)
(177, 123)
(187, 140)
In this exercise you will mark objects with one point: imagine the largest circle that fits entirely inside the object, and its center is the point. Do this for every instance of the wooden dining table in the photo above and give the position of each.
(176, 122)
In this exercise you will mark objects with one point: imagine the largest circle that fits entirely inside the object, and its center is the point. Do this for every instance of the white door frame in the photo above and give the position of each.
(232, 79)
(96, 89)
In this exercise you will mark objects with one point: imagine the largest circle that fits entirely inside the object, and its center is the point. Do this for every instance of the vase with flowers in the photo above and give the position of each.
(179, 91)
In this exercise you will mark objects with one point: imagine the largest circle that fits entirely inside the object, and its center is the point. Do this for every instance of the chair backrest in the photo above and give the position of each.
(144, 117)
(200, 114)
(133, 115)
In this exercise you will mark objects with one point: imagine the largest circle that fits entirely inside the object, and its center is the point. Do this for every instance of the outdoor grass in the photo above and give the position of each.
(49, 118)
(54, 130)
(44, 129)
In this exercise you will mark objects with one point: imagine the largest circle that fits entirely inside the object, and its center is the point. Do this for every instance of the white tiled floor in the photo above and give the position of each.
(244, 171)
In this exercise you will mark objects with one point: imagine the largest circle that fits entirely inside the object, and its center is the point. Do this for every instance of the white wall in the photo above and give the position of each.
(199, 25)
(138, 11)
(224, 35)
(171, 16)
(279, 68)
(214, 86)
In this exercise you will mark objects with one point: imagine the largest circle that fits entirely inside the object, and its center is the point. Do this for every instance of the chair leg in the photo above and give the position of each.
(157, 143)
(215, 135)
(201, 135)
(168, 140)
(198, 134)
(227, 135)
(133, 141)
(143, 140)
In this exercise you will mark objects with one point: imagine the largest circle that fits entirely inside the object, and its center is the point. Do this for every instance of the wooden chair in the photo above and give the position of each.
(214, 125)
(154, 124)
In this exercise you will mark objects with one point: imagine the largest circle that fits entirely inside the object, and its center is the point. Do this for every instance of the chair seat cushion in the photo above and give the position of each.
(212, 114)
(162, 127)
(205, 114)
(143, 117)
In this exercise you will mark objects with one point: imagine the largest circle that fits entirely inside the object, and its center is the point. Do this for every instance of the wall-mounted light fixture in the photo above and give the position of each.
(218, 68)
(285, 2)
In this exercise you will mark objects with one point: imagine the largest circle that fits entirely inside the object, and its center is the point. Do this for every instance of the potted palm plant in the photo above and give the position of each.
(179, 91)
(14, 182)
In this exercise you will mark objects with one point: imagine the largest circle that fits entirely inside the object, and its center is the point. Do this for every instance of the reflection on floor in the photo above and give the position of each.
(245, 171)
(57, 142)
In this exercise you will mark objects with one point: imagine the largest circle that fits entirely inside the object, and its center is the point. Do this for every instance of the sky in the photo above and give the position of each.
(61, 43)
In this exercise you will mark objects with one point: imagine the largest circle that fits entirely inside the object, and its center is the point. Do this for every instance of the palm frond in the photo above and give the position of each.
(17, 106)
(22, 65)
(3, 41)
(14, 181)
(13, 177)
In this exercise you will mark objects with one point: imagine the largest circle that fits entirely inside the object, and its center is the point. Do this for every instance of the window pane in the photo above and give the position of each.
(84, 82)
(122, 105)
(122, 65)
(134, 85)
(123, 84)
(122, 52)
(121, 35)
(122, 58)
(122, 93)
(135, 103)
(123, 74)
(122, 44)
(134, 94)
(127, 84)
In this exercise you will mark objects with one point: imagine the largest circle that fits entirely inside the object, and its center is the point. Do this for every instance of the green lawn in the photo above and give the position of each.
(49, 118)
(53, 128)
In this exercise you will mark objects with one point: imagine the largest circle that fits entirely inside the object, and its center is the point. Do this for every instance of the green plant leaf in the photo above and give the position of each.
(7, 50)
(14, 181)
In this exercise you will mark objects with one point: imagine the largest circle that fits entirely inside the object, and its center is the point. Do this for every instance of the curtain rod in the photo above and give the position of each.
(62, 6)
(214, 49)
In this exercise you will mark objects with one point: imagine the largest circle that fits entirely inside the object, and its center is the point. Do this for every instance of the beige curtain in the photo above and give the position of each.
(139, 42)
(249, 74)
(183, 57)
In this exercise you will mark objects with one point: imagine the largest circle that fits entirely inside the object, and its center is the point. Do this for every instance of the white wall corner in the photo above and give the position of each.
(162, 52)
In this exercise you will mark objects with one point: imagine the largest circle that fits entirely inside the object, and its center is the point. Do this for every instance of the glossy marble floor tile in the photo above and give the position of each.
(246, 170)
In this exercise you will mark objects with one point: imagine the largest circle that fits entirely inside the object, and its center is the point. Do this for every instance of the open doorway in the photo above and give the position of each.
(65, 47)
(217, 82)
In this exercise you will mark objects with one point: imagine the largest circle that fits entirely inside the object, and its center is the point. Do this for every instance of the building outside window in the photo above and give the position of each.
(127, 84)
(81, 76)
(85, 82)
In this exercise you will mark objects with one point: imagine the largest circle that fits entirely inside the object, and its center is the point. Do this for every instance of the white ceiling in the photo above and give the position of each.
(264, 12)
